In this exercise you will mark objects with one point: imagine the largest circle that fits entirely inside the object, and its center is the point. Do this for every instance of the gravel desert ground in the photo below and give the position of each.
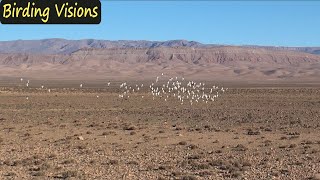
(91, 133)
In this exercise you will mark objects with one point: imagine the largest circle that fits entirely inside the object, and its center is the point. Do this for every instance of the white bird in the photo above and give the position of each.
(81, 85)
(21, 79)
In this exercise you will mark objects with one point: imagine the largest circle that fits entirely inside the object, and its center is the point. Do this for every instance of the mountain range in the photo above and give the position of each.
(63, 46)
(143, 60)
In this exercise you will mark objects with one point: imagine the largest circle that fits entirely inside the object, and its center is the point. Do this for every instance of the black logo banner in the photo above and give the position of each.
(50, 12)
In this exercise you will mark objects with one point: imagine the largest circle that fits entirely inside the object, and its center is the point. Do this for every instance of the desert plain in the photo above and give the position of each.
(70, 133)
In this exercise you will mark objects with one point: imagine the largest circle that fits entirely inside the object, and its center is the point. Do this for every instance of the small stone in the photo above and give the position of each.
(251, 132)
(182, 143)
(81, 138)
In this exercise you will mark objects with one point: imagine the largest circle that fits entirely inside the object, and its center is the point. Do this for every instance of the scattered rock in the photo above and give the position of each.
(80, 138)
(130, 128)
(251, 132)
(182, 143)
(240, 147)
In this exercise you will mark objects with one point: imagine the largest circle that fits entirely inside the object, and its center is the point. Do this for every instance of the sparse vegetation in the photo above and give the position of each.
(244, 136)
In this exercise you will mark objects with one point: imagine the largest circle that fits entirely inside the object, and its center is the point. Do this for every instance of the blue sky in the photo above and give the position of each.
(284, 23)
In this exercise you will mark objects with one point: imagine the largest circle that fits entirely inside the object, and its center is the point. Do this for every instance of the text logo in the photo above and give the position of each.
(50, 12)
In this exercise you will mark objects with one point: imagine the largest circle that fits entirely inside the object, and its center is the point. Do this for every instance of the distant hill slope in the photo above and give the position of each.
(225, 63)
(62, 46)
(229, 56)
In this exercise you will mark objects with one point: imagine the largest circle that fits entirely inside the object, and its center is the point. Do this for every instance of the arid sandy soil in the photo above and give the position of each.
(254, 133)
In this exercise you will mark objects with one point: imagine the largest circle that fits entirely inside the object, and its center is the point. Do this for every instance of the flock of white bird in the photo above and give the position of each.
(168, 89)
(175, 89)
